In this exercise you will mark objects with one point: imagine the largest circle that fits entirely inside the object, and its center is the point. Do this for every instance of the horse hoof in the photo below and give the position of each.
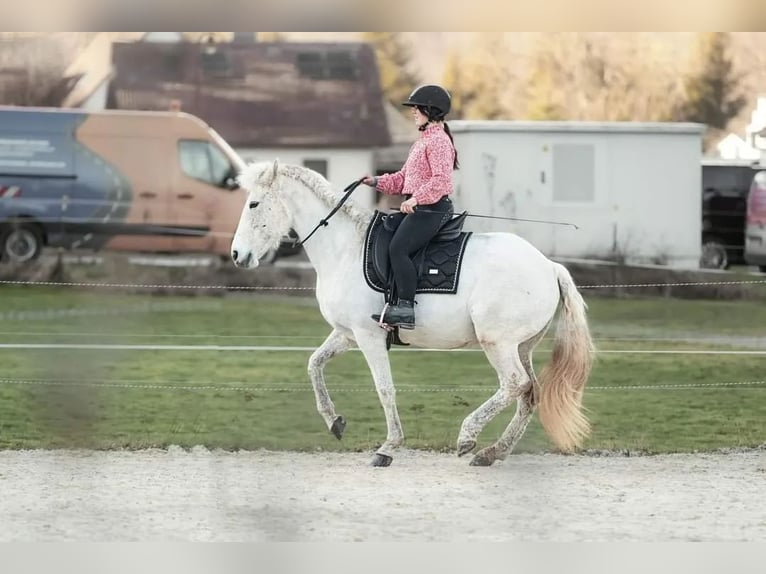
(483, 458)
(464, 447)
(382, 460)
(338, 426)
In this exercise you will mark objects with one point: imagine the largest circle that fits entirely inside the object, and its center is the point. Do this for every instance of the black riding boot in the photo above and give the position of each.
(400, 315)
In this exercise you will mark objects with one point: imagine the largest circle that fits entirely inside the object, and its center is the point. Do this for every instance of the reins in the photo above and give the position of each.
(323, 223)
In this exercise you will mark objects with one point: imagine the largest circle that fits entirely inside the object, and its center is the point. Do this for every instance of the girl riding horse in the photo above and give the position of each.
(425, 180)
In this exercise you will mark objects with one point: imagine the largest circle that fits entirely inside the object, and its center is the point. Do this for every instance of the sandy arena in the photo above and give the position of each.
(203, 495)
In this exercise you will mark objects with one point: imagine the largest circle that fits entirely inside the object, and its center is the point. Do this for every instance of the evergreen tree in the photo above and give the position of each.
(712, 90)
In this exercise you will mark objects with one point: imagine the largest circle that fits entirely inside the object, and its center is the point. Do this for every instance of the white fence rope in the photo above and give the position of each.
(147, 307)
(277, 348)
(287, 288)
(739, 340)
(152, 286)
(676, 284)
(306, 387)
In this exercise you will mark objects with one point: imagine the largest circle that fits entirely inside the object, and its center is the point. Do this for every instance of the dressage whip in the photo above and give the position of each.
(505, 218)
(352, 186)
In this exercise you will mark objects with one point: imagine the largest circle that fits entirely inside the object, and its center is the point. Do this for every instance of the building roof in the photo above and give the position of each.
(274, 94)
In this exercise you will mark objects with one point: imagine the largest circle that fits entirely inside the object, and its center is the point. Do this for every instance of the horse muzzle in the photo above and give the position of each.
(244, 260)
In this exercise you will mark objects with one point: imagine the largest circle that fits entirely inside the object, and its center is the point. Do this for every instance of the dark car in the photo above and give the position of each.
(725, 186)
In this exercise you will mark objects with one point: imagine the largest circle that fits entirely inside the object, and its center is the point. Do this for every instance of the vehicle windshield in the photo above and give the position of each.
(233, 156)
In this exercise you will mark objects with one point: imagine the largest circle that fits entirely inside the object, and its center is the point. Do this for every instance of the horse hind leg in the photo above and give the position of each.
(525, 405)
(504, 358)
(335, 344)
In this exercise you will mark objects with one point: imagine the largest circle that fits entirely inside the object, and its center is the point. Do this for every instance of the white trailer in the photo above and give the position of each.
(633, 189)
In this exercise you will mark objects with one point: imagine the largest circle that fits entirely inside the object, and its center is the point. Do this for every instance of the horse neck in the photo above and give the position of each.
(329, 244)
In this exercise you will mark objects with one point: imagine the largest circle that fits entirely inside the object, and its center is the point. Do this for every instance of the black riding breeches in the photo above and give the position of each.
(414, 232)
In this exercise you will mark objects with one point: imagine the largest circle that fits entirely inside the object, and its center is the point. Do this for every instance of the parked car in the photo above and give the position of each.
(725, 186)
(156, 182)
(755, 229)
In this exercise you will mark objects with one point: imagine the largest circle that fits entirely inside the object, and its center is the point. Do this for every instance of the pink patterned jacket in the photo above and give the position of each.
(427, 173)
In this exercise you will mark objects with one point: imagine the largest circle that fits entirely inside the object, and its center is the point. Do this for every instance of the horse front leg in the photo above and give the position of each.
(336, 344)
(375, 353)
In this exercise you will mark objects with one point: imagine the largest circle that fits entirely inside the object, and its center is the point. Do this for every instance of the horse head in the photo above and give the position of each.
(265, 218)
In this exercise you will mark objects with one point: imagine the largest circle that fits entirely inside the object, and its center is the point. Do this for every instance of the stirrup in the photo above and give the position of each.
(390, 325)
(379, 318)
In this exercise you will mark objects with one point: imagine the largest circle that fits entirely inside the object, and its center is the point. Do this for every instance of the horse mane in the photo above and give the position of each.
(262, 173)
(323, 190)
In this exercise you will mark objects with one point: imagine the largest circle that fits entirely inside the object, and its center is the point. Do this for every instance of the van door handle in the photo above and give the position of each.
(185, 196)
(148, 194)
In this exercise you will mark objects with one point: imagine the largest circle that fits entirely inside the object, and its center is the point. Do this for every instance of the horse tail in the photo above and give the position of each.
(563, 379)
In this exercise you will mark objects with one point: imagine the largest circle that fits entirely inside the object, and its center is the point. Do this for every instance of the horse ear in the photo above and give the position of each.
(275, 171)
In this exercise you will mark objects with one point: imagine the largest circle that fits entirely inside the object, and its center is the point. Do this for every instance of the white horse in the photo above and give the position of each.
(507, 297)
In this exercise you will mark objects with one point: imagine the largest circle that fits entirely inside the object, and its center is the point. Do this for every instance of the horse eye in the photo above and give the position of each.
(254, 204)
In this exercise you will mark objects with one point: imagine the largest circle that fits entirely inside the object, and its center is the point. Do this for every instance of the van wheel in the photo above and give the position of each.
(714, 255)
(21, 242)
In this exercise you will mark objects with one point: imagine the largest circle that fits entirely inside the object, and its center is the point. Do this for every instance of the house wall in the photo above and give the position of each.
(633, 190)
(97, 100)
(171, 37)
(343, 165)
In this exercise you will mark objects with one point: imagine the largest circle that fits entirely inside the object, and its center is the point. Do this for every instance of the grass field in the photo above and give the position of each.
(250, 399)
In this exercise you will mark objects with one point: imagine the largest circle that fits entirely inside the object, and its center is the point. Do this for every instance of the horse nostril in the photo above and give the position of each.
(235, 254)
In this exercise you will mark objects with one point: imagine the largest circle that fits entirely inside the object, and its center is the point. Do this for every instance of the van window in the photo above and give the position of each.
(203, 161)
(727, 178)
(220, 166)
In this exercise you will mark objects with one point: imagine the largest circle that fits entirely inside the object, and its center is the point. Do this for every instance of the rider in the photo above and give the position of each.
(425, 180)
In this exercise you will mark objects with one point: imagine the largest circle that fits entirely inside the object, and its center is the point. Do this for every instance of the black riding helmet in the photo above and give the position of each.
(434, 101)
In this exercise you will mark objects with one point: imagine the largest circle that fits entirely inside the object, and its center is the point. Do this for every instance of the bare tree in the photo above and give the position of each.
(480, 77)
(397, 75)
(601, 77)
(32, 68)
